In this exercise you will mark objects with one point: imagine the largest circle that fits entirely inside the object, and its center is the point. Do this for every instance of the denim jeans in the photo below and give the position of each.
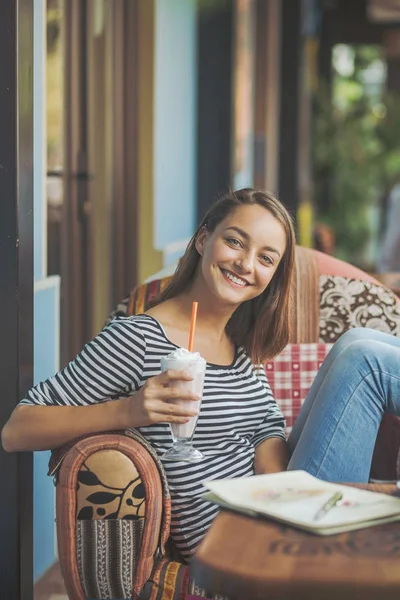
(334, 435)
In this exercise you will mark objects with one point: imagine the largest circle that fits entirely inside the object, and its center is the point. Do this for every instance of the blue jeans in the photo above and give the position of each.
(334, 435)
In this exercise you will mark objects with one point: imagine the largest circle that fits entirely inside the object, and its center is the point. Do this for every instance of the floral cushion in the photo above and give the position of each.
(346, 303)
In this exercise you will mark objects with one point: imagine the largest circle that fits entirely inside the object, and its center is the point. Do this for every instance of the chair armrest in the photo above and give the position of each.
(109, 507)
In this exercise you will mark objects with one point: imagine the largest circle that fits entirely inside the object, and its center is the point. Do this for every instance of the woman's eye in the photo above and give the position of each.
(233, 242)
(267, 259)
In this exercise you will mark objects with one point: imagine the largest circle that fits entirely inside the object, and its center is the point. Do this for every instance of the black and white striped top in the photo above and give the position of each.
(237, 412)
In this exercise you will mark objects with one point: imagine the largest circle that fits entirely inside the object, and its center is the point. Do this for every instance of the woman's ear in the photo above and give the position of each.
(200, 239)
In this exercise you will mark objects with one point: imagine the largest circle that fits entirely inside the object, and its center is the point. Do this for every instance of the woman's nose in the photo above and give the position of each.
(246, 263)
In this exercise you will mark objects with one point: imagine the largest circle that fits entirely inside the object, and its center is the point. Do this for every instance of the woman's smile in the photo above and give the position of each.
(234, 279)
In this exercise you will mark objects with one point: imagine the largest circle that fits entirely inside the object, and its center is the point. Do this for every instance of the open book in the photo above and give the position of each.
(299, 499)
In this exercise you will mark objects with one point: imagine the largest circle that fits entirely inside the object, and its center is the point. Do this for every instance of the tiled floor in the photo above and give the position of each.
(50, 586)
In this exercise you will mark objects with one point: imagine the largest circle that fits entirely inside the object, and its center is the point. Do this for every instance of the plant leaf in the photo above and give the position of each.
(138, 491)
(85, 513)
(102, 497)
(88, 478)
(112, 515)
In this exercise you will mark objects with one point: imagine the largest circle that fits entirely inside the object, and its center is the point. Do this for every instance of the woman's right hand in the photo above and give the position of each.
(156, 401)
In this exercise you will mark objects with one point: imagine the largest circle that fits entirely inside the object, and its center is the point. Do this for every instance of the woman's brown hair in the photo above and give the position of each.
(261, 325)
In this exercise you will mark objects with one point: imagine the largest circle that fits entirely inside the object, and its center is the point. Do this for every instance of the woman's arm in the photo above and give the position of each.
(71, 404)
(47, 427)
(271, 456)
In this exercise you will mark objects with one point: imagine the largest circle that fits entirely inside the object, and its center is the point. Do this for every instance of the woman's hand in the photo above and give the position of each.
(159, 400)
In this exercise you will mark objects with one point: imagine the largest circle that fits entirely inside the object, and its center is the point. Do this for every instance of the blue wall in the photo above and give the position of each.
(46, 307)
(175, 122)
(46, 363)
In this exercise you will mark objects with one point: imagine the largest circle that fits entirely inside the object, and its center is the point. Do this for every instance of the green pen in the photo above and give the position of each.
(331, 503)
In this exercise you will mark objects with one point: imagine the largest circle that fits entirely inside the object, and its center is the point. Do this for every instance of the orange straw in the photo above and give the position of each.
(192, 325)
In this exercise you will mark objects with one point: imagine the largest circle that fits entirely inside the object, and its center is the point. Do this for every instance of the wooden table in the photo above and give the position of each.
(253, 559)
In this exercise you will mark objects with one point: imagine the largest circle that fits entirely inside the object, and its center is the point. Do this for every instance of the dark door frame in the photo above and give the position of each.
(76, 229)
(215, 31)
(16, 288)
(125, 205)
(290, 81)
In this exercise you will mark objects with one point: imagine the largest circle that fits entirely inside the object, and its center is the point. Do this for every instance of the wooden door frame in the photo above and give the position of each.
(74, 305)
(16, 288)
(125, 189)
(215, 38)
(289, 85)
(77, 268)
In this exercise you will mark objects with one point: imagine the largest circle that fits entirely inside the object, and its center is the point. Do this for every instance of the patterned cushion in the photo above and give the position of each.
(169, 581)
(106, 493)
(107, 552)
(291, 374)
(347, 303)
(141, 297)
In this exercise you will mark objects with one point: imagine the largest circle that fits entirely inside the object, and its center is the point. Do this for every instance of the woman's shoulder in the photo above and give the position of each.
(140, 325)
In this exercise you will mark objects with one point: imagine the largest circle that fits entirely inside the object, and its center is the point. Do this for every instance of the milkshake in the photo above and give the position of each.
(182, 433)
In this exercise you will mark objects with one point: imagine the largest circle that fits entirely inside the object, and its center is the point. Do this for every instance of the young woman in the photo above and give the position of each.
(238, 266)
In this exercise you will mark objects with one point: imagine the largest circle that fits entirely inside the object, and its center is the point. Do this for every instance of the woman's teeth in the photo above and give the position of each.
(233, 278)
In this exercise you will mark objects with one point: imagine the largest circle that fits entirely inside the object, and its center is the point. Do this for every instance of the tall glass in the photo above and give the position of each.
(182, 448)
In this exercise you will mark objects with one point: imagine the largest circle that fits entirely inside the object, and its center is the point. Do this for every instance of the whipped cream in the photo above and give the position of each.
(183, 354)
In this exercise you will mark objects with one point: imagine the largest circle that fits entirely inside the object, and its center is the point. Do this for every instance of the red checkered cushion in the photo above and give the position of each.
(291, 374)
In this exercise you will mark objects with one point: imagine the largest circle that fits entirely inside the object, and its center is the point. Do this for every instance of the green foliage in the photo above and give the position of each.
(356, 154)
(388, 136)
(345, 151)
(209, 6)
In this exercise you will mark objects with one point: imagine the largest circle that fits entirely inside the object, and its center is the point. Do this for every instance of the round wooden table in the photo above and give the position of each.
(245, 558)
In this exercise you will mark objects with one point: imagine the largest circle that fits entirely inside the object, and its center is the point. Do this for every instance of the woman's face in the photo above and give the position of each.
(240, 257)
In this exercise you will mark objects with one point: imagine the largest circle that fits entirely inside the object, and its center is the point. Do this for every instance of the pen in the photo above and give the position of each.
(331, 503)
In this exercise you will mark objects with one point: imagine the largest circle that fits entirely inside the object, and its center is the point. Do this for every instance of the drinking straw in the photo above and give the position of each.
(192, 325)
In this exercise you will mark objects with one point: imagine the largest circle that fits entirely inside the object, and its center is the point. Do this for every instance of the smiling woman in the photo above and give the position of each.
(238, 267)
(240, 263)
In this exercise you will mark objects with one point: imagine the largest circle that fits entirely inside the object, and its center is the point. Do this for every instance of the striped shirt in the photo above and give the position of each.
(237, 412)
